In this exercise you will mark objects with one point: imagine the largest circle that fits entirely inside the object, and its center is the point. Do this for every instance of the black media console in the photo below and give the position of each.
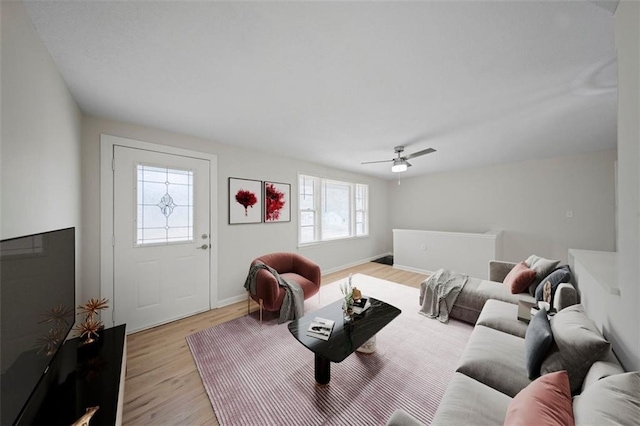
(83, 377)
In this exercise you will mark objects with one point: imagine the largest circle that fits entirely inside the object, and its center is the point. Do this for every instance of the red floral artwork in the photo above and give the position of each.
(246, 199)
(274, 202)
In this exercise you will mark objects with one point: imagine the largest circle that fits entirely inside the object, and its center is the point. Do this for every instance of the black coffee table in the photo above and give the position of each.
(345, 338)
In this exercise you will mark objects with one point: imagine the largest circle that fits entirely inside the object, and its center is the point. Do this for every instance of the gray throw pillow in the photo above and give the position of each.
(577, 344)
(614, 400)
(560, 275)
(537, 340)
(542, 266)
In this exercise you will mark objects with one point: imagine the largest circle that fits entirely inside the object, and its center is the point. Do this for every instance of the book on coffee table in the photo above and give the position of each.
(361, 305)
(320, 328)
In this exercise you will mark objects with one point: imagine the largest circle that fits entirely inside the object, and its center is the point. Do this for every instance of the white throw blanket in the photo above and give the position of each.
(439, 292)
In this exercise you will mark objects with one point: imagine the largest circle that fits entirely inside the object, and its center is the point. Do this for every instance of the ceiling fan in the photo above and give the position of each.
(400, 163)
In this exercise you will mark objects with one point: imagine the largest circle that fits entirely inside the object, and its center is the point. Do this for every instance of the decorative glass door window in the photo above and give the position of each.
(165, 205)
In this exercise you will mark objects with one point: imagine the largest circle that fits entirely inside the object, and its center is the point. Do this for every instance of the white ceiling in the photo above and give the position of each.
(339, 83)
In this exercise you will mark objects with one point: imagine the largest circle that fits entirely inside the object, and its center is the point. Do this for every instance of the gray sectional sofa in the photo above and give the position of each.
(476, 292)
(492, 371)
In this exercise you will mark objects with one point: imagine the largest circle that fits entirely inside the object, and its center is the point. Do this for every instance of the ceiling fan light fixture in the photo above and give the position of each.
(399, 166)
(400, 163)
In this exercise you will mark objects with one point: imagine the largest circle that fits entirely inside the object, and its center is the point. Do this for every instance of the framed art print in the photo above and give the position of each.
(277, 202)
(244, 201)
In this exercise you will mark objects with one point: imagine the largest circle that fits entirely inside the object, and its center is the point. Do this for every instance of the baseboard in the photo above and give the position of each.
(231, 300)
(410, 269)
(350, 265)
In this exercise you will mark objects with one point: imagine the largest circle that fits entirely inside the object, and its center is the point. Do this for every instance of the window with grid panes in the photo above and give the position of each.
(331, 210)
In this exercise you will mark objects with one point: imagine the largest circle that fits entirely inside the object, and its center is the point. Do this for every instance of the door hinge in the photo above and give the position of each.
(113, 316)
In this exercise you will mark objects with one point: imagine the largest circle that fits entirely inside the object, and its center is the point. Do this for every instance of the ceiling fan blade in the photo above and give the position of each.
(407, 163)
(419, 153)
(372, 162)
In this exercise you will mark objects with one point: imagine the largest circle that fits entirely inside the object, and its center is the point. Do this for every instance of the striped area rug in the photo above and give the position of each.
(264, 376)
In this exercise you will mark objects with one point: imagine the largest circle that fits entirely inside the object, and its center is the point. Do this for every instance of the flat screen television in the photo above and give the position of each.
(37, 311)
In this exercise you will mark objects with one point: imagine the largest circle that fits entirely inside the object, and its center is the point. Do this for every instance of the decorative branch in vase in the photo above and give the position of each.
(90, 327)
(347, 292)
(350, 294)
(60, 317)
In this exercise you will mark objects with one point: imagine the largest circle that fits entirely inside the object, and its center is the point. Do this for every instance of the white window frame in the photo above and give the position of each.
(319, 185)
(364, 210)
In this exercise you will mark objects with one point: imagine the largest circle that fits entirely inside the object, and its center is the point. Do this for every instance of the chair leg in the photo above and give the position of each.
(260, 312)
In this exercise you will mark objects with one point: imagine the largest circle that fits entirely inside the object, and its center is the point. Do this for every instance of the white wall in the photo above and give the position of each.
(623, 315)
(237, 244)
(527, 200)
(618, 314)
(428, 251)
(40, 134)
(41, 123)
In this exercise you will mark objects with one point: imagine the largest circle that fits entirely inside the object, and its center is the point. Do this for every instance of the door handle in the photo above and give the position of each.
(203, 247)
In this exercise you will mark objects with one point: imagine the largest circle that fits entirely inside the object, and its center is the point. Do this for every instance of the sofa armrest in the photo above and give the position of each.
(308, 269)
(499, 269)
(565, 295)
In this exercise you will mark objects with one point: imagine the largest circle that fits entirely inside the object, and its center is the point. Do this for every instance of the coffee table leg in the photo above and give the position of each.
(368, 347)
(323, 370)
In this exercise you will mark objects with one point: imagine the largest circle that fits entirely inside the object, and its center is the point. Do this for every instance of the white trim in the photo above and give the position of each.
(410, 269)
(332, 241)
(107, 145)
(231, 300)
(492, 234)
(167, 321)
(123, 374)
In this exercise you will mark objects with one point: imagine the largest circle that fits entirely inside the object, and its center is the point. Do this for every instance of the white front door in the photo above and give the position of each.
(161, 237)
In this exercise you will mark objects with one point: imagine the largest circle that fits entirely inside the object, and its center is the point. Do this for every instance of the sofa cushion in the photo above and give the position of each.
(402, 418)
(577, 345)
(519, 278)
(605, 367)
(614, 400)
(476, 292)
(537, 341)
(467, 401)
(502, 316)
(546, 401)
(542, 266)
(495, 359)
(555, 278)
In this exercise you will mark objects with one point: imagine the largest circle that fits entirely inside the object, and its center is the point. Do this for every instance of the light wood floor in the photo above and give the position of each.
(163, 385)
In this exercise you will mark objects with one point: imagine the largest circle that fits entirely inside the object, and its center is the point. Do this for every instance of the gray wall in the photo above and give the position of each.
(40, 134)
(618, 315)
(622, 311)
(527, 200)
(237, 244)
(40, 148)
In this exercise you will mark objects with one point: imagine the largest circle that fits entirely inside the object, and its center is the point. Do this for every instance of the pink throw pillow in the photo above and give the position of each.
(519, 278)
(546, 401)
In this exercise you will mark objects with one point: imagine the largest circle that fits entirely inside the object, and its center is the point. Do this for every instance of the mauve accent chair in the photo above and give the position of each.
(292, 266)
